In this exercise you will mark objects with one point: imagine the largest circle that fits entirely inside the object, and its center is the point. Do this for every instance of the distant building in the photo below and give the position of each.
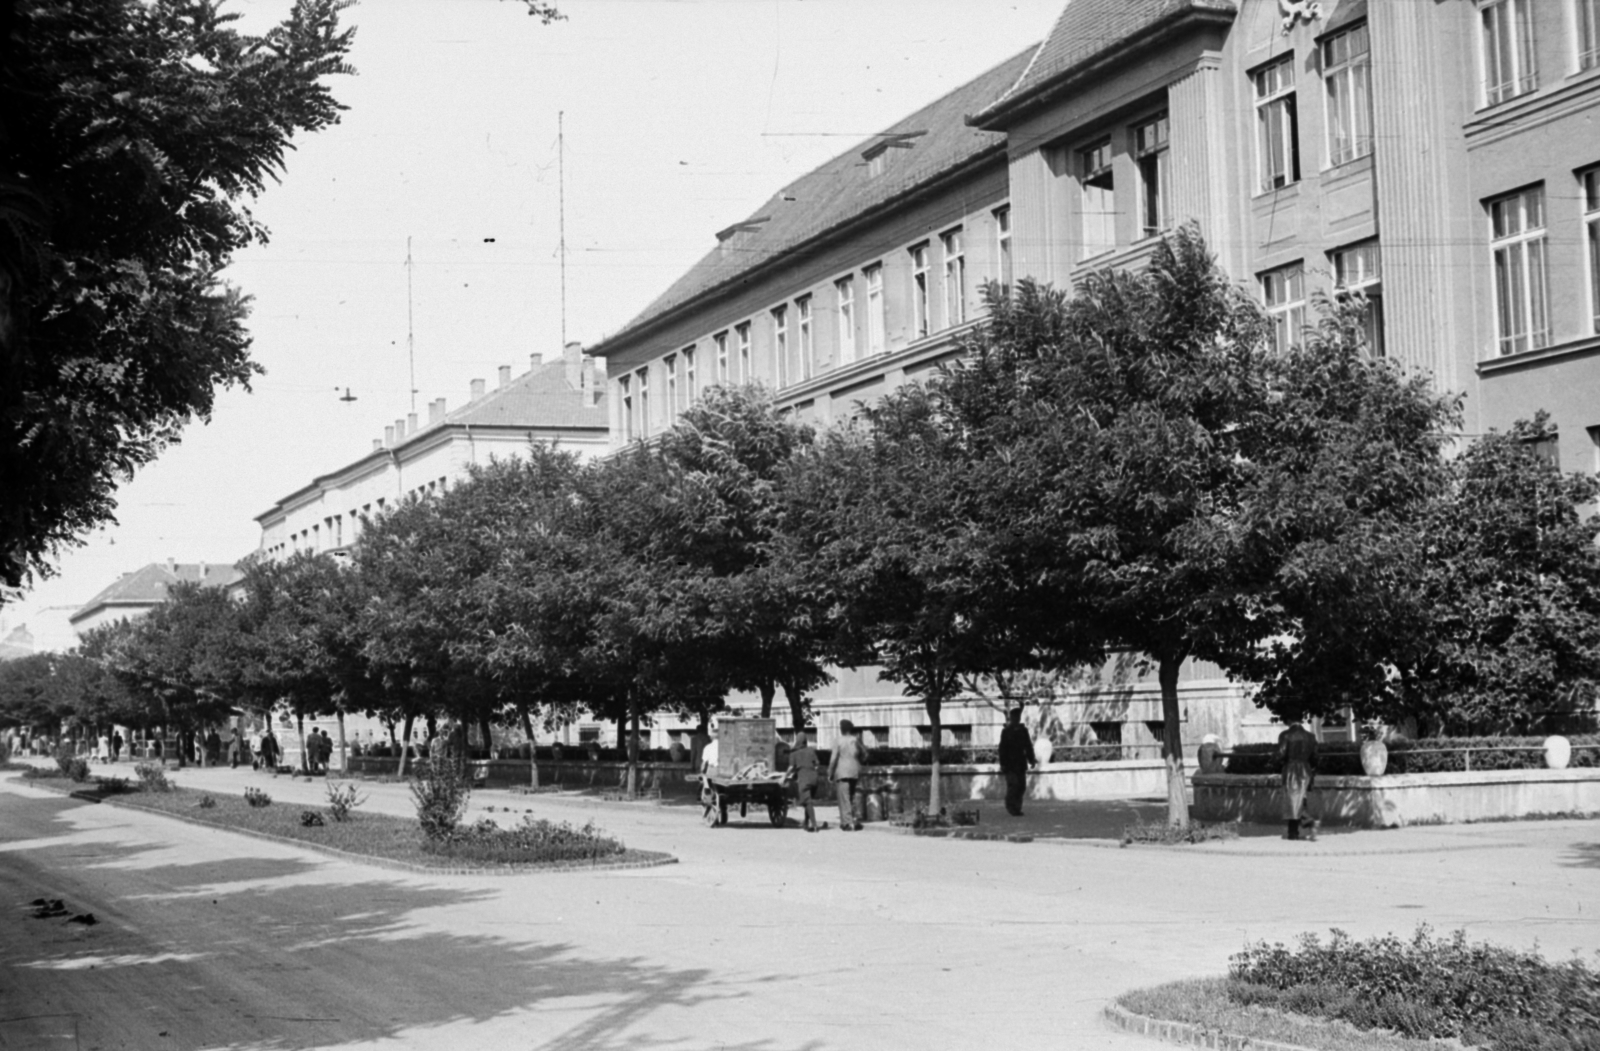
(1440, 158)
(560, 403)
(17, 642)
(137, 593)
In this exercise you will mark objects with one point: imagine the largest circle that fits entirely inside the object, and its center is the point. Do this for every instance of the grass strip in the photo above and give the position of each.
(362, 835)
(1204, 1002)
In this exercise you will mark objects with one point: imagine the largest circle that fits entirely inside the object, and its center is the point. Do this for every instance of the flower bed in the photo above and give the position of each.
(531, 842)
(1427, 756)
(1428, 988)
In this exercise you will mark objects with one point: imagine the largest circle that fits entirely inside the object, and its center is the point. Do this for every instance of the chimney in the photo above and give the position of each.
(505, 375)
(411, 423)
(377, 443)
(588, 380)
(435, 411)
(172, 565)
(535, 360)
(573, 354)
(388, 437)
(477, 389)
(202, 572)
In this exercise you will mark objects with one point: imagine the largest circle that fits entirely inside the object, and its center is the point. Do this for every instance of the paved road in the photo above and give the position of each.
(761, 939)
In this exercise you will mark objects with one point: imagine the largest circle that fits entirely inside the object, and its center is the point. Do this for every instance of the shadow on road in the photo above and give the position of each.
(272, 952)
(1584, 855)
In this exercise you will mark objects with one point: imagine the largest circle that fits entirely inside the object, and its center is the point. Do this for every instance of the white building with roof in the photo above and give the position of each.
(136, 593)
(558, 402)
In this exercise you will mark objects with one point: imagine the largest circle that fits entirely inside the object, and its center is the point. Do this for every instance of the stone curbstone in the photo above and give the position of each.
(1188, 1034)
(651, 859)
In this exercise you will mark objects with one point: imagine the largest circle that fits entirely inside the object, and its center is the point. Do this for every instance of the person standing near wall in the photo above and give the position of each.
(1297, 754)
(1016, 755)
(844, 770)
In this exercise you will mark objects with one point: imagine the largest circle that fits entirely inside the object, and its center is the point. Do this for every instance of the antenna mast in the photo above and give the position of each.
(411, 347)
(561, 190)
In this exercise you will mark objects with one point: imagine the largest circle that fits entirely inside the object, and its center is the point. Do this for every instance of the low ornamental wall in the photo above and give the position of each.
(1113, 779)
(1395, 800)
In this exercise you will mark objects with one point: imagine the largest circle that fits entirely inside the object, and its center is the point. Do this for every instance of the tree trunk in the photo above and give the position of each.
(344, 753)
(533, 752)
(300, 730)
(797, 705)
(1172, 741)
(633, 747)
(935, 793)
(405, 745)
(768, 691)
(488, 736)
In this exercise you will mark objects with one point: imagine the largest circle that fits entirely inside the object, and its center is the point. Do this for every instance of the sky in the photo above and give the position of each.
(678, 117)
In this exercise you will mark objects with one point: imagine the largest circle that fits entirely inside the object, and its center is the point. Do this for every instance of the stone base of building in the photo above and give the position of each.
(1396, 800)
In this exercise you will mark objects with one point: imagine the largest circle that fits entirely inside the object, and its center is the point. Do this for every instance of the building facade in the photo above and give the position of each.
(1439, 157)
(134, 594)
(561, 403)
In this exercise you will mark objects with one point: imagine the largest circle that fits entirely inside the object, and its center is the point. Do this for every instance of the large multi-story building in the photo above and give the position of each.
(561, 403)
(134, 594)
(1440, 156)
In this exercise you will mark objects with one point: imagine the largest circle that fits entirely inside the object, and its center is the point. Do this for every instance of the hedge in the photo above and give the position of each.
(1422, 757)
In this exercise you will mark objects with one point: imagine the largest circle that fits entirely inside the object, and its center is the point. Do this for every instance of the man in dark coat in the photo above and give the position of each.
(1016, 755)
(1297, 756)
(804, 766)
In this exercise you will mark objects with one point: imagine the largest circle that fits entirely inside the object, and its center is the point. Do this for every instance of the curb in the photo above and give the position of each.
(645, 859)
(1188, 1034)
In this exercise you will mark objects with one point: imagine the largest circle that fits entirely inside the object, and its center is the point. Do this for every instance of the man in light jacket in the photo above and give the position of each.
(844, 770)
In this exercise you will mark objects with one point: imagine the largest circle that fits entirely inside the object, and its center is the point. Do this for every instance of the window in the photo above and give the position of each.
(691, 384)
(1588, 34)
(877, 325)
(806, 348)
(1278, 124)
(1284, 292)
(1150, 147)
(955, 279)
(719, 344)
(742, 334)
(780, 344)
(919, 291)
(1002, 237)
(673, 388)
(1356, 269)
(1591, 220)
(1594, 440)
(1099, 200)
(1522, 313)
(845, 292)
(1347, 76)
(1508, 65)
(642, 381)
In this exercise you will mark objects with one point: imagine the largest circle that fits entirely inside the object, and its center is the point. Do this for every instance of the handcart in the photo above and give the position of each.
(745, 776)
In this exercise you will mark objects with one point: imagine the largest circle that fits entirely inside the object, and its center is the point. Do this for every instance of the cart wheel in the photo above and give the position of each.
(778, 811)
(709, 815)
(722, 811)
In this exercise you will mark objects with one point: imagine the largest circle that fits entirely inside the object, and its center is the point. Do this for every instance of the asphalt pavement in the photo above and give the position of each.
(760, 939)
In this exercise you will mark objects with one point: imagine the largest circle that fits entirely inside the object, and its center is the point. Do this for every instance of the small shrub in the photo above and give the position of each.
(1428, 988)
(441, 792)
(76, 769)
(206, 803)
(530, 842)
(41, 773)
(152, 777)
(114, 786)
(343, 798)
(1194, 832)
(310, 819)
(257, 798)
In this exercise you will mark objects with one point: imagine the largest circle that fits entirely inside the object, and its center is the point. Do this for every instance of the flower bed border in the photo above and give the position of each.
(1189, 1034)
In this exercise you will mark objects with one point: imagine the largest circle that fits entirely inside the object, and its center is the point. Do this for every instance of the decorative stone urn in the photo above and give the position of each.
(1557, 752)
(1043, 749)
(1374, 758)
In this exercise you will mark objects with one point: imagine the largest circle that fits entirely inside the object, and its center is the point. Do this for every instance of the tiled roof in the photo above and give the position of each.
(150, 585)
(539, 398)
(843, 190)
(17, 644)
(1091, 29)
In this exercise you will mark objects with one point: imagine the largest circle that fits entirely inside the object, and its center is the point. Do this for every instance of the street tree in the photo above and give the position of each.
(135, 133)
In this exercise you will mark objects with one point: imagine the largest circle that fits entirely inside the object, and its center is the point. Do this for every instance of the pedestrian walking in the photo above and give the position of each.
(1016, 755)
(1297, 756)
(116, 746)
(325, 751)
(233, 748)
(213, 747)
(269, 751)
(844, 770)
(805, 767)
